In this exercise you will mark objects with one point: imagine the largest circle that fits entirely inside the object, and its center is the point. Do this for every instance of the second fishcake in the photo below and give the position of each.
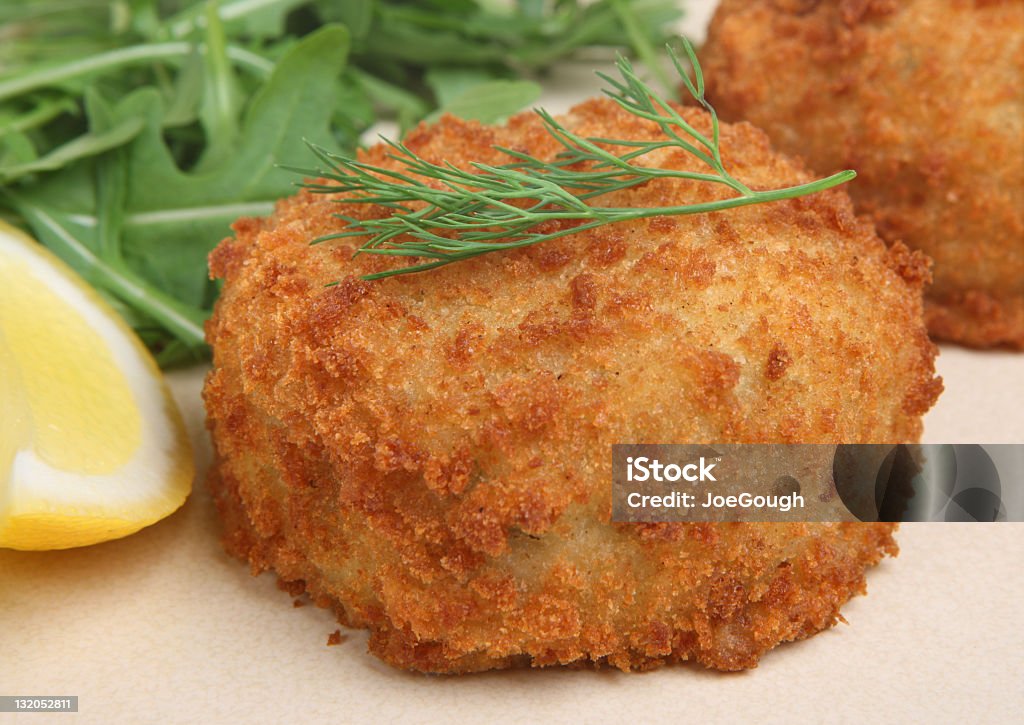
(925, 100)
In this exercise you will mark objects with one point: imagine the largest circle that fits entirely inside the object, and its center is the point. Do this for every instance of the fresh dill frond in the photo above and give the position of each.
(489, 208)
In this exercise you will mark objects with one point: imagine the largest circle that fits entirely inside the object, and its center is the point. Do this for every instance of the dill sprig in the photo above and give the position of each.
(490, 208)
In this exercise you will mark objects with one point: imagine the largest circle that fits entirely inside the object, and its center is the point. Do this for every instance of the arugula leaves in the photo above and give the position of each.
(133, 133)
(160, 222)
(476, 96)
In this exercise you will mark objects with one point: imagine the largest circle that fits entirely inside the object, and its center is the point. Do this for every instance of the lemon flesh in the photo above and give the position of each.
(92, 446)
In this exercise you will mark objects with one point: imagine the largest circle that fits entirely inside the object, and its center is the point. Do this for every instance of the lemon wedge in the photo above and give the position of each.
(92, 446)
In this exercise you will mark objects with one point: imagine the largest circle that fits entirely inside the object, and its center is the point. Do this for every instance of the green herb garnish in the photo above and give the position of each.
(133, 132)
(476, 211)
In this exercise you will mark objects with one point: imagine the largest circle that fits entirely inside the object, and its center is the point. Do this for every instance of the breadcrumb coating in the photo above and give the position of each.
(925, 100)
(429, 455)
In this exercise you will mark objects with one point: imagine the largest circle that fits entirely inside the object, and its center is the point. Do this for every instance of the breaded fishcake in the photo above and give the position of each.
(430, 454)
(925, 100)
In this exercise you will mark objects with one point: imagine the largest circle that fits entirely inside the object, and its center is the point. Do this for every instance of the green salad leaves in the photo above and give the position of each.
(133, 132)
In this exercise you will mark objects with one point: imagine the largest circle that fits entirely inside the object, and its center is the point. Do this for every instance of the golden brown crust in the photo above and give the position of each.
(924, 99)
(429, 455)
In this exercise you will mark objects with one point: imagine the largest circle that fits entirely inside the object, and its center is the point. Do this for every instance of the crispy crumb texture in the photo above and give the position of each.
(925, 100)
(429, 455)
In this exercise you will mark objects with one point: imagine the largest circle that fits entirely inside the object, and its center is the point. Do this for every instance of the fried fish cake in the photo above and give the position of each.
(429, 455)
(925, 100)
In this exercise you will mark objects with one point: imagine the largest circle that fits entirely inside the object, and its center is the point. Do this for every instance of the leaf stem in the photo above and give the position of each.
(114, 59)
(186, 323)
(641, 43)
